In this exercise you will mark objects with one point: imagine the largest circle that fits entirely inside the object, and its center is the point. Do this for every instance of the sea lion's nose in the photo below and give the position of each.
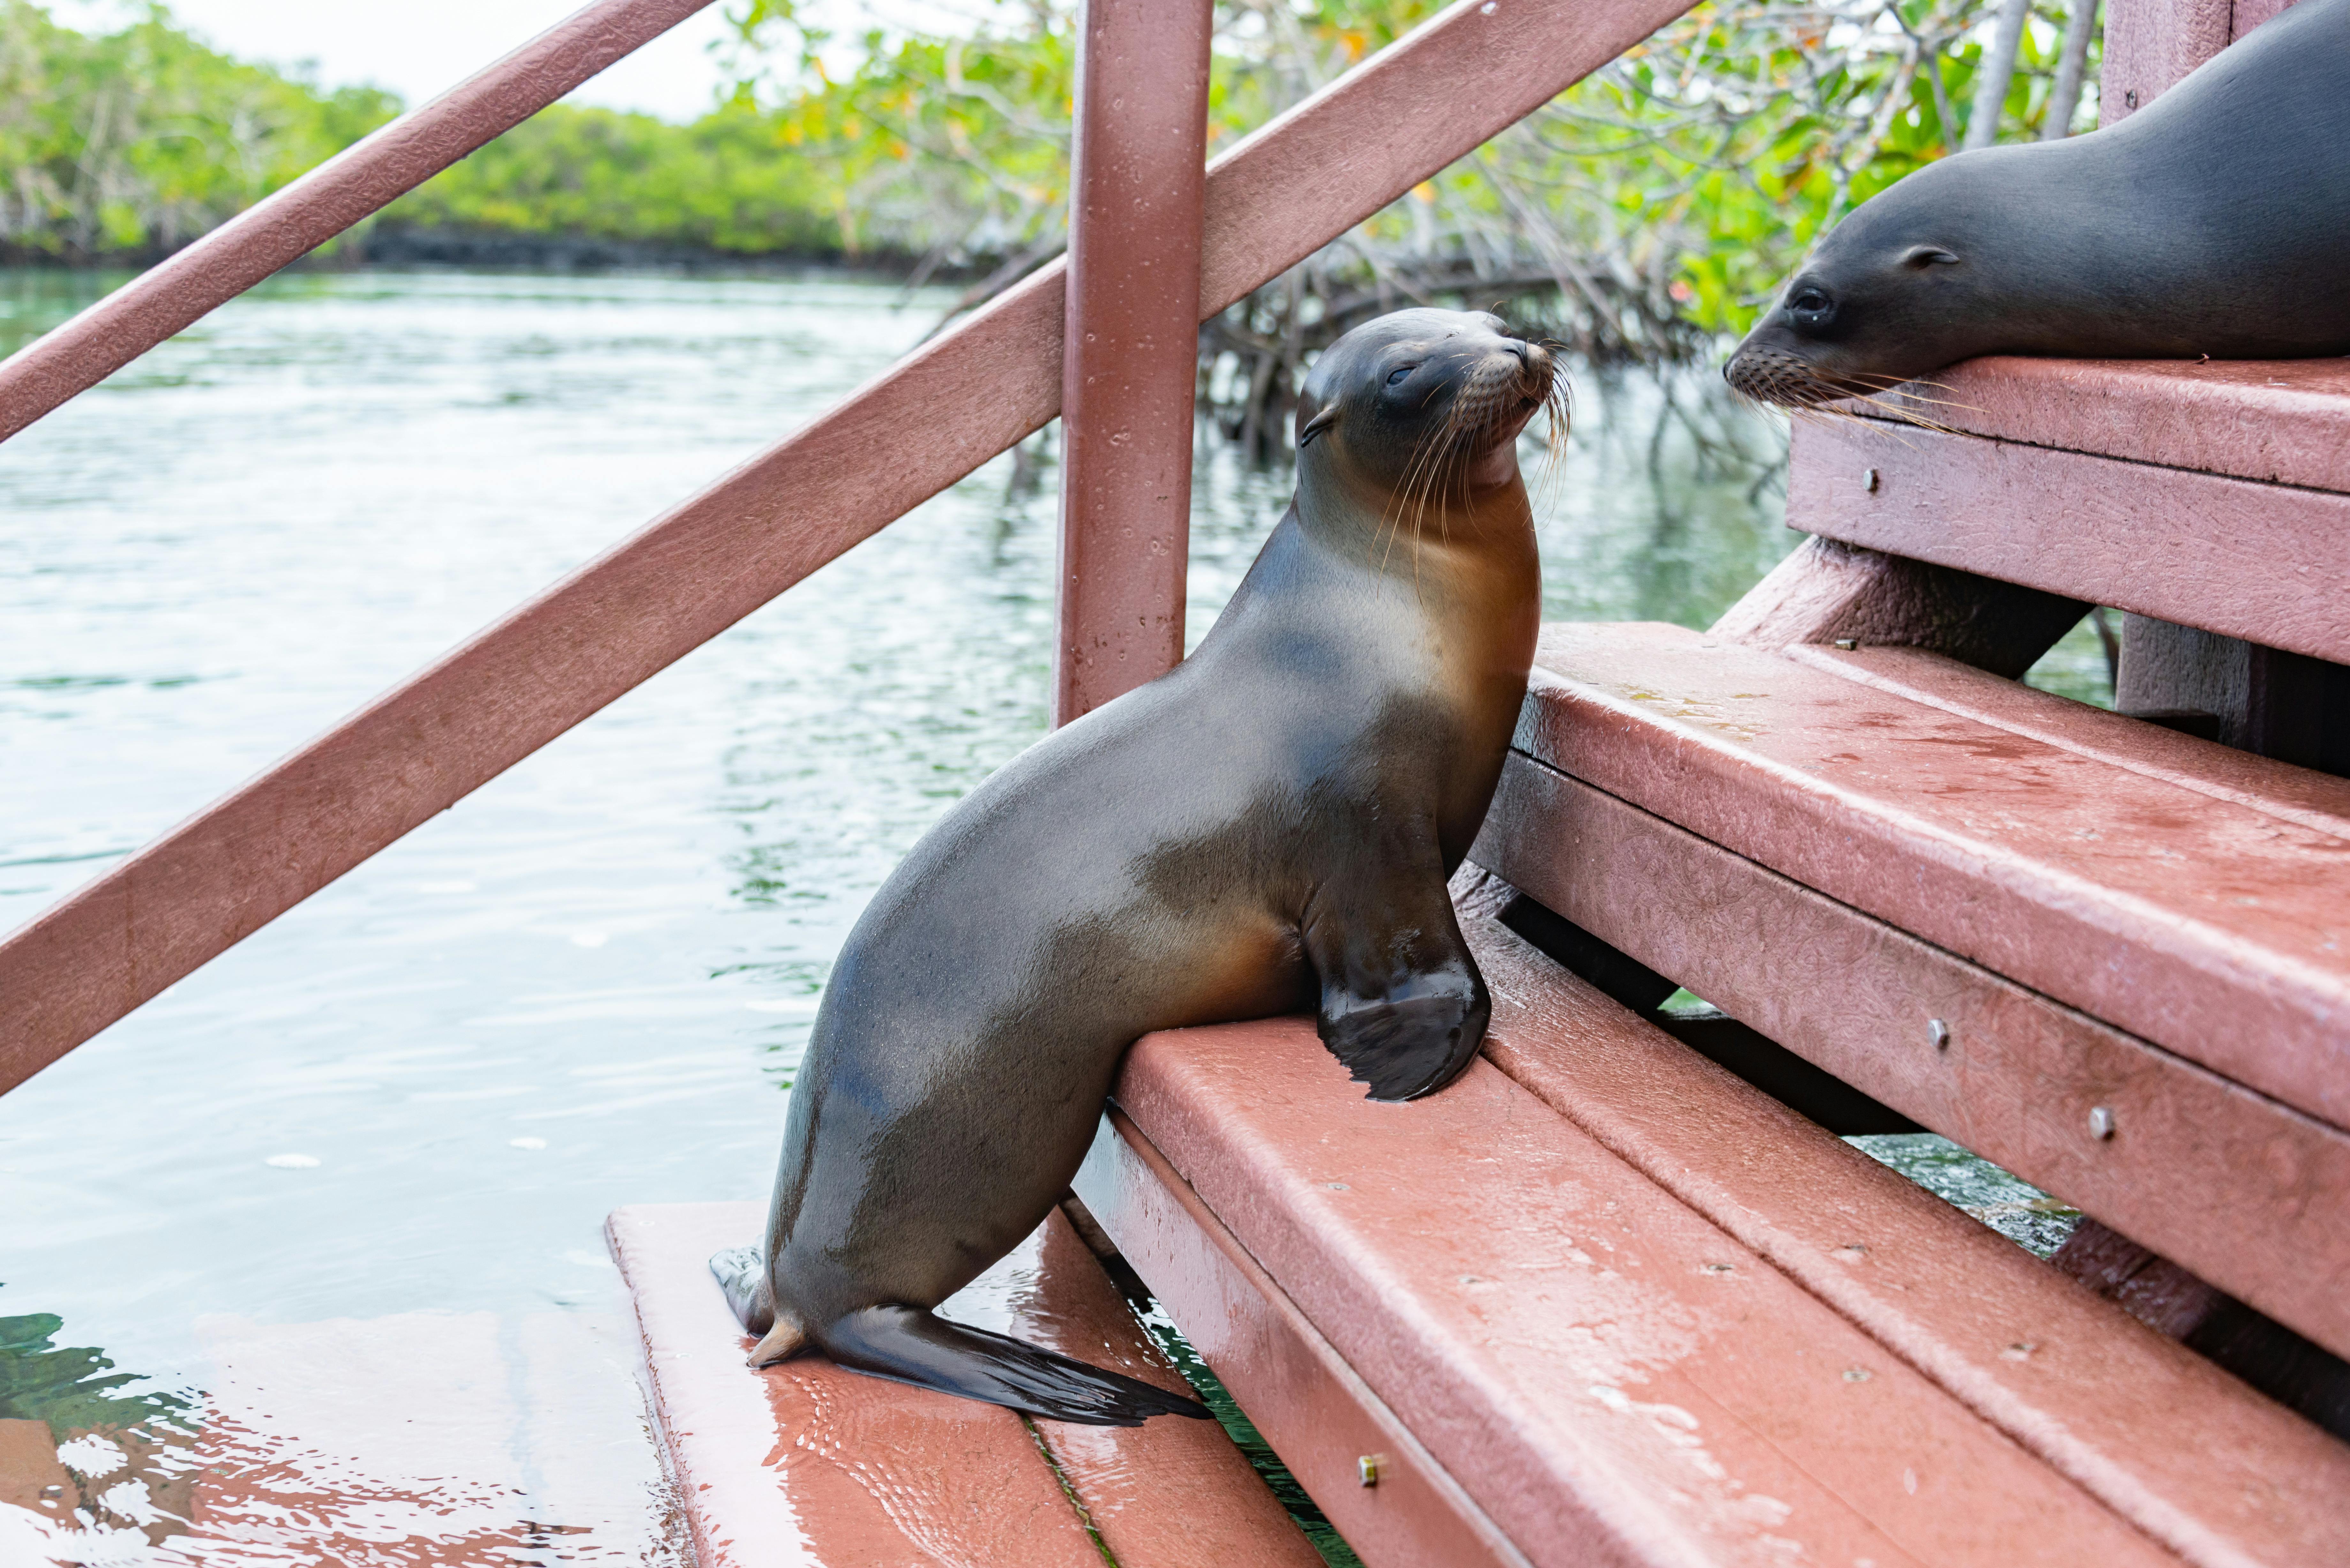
(1536, 366)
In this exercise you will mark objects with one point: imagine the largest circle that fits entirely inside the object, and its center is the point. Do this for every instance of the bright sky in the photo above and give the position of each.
(419, 47)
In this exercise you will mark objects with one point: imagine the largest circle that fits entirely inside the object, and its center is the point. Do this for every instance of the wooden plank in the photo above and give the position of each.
(2214, 930)
(805, 1463)
(2249, 14)
(1610, 1377)
(2076, 1381)
(1273, 198)
(2151, 44)
(2266, 562)
(296, 219)
(2282, 421)
(2314, 800)
(1170, 1493)
(808, 1464)
(1824, 591)
(1131, 356)
(1301, 1395)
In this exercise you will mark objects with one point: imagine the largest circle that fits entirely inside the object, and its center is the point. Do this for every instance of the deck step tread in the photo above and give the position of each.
(805, 1464)
(1608, 1374)
(2067, 1375)
(2215, 929)
(2284, 422)
(1968, 1053)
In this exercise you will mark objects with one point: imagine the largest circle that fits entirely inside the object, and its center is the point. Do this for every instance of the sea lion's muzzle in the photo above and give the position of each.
(1499, 395)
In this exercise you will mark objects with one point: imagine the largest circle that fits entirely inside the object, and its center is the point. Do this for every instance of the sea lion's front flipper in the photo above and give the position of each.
(1402, 1003)
(905, 1345)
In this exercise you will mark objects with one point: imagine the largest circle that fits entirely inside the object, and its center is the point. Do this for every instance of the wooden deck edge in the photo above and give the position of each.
(2071, 1378)
(1317, 1413)
(2231, 555)
(806, 1464)
(2108, 890)
(2320, 802)
(2018, 1077)
(2274, 422)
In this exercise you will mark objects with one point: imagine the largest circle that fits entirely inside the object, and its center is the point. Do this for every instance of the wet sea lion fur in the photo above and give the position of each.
(1265, 829)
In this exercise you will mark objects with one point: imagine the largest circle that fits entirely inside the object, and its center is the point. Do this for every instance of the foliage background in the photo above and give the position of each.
(1640, 215)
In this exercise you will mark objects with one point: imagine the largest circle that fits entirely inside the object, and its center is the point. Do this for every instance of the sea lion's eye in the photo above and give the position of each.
(1397, 376)
(1810, 302)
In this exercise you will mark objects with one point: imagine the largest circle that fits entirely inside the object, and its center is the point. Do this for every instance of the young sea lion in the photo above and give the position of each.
(1268, 825)
(2215, 220)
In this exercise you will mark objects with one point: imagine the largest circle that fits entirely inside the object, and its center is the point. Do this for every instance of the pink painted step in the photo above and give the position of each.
(2080, 1384)
(805, 1464)
(2263, 562)
(2011, 1074)
(1607, 1374)
(2213, 927)
(2281, 422)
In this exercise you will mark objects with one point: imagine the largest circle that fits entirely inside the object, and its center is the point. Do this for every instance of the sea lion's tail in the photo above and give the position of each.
(906, 1345)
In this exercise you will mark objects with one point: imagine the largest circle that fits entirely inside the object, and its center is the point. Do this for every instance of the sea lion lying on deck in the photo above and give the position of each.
(2214, 221)
(1267, 826)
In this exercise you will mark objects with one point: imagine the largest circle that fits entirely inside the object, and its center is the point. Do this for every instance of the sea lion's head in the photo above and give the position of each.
(1424, 405)
(1951, 263)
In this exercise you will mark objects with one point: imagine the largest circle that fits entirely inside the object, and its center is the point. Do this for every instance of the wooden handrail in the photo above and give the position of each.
(296, 220)
(1131, 355)
(1334, 160)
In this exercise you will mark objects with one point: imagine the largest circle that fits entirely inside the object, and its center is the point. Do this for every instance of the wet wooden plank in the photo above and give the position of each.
(1272, 199)
(2281, 422)
(2214, 929)
(1319, 1417)
(2192, 1154)
(1609, 1375)
(805, 1463)
(2261, 562)
(1171, 1493)
(2314, 800)
(2077, 1382)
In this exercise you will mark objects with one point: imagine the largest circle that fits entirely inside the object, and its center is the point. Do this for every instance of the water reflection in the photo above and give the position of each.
(349, 1178)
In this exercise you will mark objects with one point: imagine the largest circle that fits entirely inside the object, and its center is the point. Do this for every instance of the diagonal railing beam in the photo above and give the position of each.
(293, 221)
(1462, 77)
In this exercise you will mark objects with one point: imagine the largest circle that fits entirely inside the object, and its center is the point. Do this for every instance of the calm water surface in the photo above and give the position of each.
(346, 1177)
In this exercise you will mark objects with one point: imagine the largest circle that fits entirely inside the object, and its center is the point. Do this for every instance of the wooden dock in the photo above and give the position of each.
(1605, 1300)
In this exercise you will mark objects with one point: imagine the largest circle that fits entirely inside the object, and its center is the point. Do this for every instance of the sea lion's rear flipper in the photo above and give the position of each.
(741, 1274)
(907, 1346)
(1402, 1003)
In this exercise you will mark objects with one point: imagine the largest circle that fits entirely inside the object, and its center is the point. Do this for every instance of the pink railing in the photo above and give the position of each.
(1269, 202)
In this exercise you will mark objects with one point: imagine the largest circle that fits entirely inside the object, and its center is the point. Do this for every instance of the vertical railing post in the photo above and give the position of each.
(1137, 192)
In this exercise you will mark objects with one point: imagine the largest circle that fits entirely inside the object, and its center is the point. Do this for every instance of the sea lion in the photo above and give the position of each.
(1267, 826)
(2215, 220)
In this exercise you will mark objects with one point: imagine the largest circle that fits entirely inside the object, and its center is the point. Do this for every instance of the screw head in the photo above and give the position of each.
(2130, 97)
(1868, 480)
(1938, 1032)
(1368, 1467)
(2101, 1122)
(1847, 643)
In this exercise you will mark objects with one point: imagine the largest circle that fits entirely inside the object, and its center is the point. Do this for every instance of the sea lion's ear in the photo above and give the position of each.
(1316, 426)
(1923, 256)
